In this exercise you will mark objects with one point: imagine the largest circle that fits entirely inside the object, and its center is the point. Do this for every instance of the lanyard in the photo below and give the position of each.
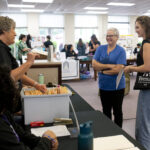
(5, 119)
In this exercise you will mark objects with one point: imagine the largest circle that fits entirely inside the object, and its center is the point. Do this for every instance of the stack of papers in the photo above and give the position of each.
(118, 142)
(39, 52)
(60, 130)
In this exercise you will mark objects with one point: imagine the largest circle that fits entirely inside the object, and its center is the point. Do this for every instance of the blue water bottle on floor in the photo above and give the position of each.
(85, 138)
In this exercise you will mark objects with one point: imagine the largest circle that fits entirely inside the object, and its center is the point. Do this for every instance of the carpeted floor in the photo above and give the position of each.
(88, 89)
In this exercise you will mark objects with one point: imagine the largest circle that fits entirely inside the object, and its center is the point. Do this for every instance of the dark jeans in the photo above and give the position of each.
(113, 100)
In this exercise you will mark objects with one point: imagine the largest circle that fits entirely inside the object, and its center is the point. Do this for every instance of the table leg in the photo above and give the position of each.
(95, 74)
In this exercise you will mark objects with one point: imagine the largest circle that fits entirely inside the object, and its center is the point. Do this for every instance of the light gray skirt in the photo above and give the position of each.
(142, 130)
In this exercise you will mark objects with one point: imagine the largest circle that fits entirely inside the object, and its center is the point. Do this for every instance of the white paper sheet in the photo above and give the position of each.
(119, 77)
(60, 130)
(134, 148)
(118, 142)
(39, 51)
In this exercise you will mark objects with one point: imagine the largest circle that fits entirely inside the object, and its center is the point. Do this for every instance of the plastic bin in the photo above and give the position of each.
(45, 107)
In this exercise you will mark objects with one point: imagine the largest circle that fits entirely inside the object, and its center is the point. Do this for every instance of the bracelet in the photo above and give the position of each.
(35, 83)
(50, 138)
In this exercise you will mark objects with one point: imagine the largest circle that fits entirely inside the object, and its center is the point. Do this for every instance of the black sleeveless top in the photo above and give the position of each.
(140, 60)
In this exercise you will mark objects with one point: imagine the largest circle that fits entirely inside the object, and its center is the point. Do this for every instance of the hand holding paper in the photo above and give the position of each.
(119, 77)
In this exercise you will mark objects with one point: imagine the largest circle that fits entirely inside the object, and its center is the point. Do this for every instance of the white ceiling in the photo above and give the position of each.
(76, 6)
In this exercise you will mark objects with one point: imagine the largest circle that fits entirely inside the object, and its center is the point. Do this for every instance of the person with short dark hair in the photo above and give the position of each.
(48, 42)
(137, 49)
(13, 136)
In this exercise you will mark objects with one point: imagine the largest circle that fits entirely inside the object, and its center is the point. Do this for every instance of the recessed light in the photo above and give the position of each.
(97, 12)
(21, 6)
(32, 10)
(38, 1)
(96, 8)
(120, 4)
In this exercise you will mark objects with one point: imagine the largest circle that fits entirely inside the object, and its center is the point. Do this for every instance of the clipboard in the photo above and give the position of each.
(119, 78)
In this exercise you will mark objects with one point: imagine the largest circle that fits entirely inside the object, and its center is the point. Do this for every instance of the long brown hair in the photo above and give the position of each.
(144, 21)
(80, 42)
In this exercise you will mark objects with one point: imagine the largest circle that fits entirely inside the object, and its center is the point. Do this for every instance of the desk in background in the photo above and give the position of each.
(50, 70)
(131, 61)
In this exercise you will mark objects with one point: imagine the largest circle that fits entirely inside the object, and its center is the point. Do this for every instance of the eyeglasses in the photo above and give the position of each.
(110, 36)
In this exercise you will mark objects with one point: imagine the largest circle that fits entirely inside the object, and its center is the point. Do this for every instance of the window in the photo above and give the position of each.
(85, 34)
(85, 27)
(121, 23)
(52, 25)
(85, 21)
(53, 21)
(20, 19)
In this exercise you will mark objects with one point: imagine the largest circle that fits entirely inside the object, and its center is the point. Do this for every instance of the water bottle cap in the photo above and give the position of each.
(85, 128)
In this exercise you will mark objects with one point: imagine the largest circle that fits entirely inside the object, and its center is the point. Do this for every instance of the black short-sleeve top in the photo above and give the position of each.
(6, 57)
(140, 60)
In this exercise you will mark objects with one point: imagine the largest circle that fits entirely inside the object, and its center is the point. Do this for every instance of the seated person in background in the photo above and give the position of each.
(93, 44)
(70, 51)
(60, 47)
(137, 49)
(64, 49)
(81, 48)
(48, 42)
(22, 47)
(12, 136)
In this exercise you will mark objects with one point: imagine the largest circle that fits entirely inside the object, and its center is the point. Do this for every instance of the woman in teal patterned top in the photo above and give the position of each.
(22, 47)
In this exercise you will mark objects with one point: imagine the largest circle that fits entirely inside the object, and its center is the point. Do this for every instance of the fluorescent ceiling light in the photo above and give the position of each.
(120, 4)
(147, 14)
(97, 12)
(25, 6)
(96, 8)
(38, 1)
(32, 10)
